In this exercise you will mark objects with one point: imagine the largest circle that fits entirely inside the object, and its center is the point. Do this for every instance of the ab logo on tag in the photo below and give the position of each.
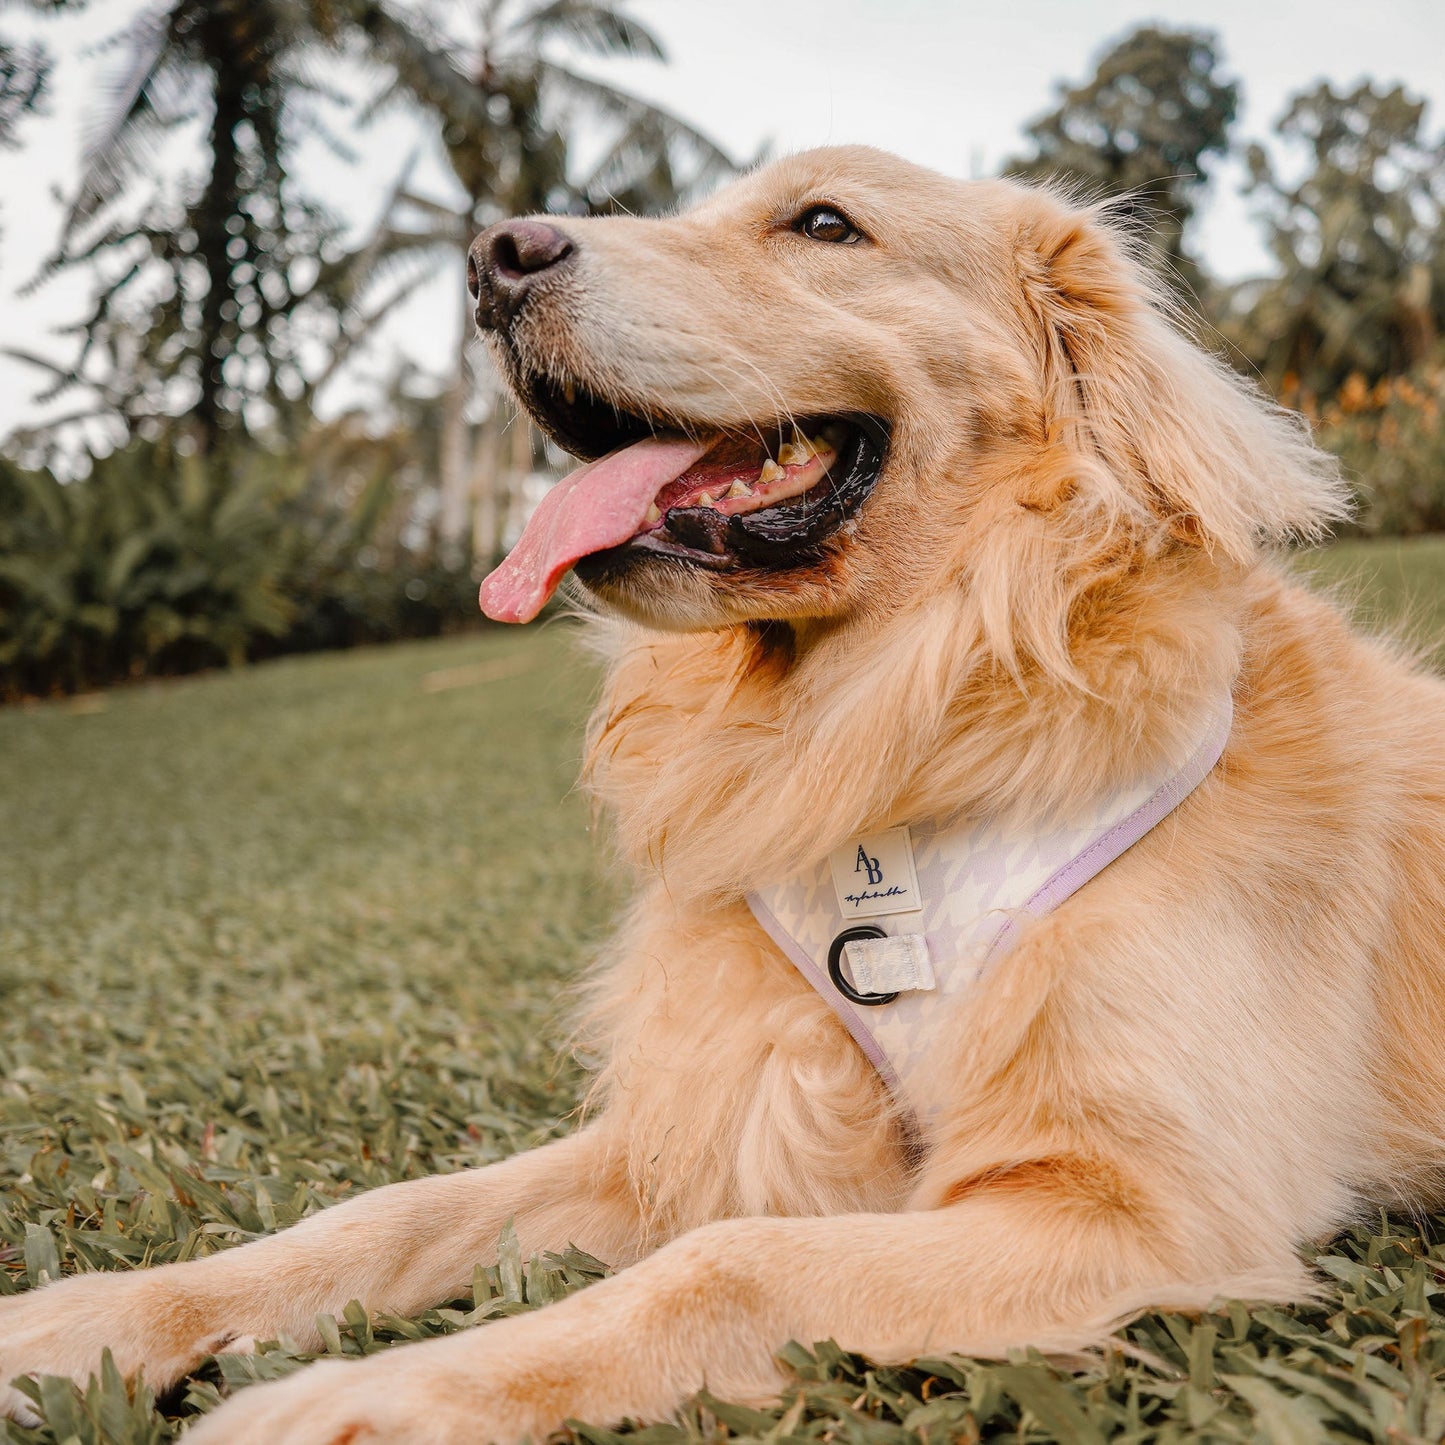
(868, 865)
(873, 876)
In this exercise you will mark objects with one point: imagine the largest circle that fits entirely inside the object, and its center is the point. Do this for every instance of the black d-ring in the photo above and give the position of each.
(835, 966)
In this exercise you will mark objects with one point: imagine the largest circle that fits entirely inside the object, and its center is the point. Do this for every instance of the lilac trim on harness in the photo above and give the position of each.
(818, 977)
(976, 883)
(1124, 834)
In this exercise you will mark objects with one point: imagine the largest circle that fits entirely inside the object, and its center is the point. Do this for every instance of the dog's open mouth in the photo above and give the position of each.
(768, 498)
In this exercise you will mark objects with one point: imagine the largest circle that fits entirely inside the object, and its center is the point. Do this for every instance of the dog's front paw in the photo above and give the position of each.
(479, 1387)
(148, 1322)
(389, 1398)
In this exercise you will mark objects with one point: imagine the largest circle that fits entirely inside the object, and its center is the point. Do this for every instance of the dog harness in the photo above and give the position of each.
(894, 927)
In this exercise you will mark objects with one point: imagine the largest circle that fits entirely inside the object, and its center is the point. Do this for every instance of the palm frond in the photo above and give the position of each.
(437, 211)
(639, 171)
(598, 29)
(111, 151)
(423, 70)
(634, 112)
(363, 326)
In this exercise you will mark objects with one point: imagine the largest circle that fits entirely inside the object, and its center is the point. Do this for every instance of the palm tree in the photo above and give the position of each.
(203, 301)
(508, 112)
(199, 288)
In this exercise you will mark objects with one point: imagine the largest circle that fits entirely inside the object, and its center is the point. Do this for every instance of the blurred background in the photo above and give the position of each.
(241, 413)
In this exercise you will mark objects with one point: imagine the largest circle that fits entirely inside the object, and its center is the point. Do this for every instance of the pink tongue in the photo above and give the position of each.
(600, 505)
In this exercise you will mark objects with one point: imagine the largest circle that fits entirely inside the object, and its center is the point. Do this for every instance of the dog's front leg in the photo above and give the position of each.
(713, 1307)
(399, 1248)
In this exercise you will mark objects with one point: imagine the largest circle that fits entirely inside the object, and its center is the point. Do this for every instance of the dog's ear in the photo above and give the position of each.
(1178, 429)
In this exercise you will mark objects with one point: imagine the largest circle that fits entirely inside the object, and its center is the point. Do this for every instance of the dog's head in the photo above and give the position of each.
(844, 381)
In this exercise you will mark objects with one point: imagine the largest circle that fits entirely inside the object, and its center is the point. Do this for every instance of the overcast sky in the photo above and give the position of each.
(950, 85)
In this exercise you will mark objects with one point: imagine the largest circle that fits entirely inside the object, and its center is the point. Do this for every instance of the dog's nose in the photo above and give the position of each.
(505, 262)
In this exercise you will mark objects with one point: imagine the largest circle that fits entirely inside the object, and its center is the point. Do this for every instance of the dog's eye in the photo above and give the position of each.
(824, 223)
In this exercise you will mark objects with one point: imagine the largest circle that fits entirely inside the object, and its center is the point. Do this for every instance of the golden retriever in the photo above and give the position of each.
(1020, 540)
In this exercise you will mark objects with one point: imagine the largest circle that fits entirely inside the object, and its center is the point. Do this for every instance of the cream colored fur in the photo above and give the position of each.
(1223, 1047)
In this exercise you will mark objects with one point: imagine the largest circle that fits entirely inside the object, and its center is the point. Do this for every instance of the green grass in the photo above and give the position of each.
(272, 937)
(1394, 581)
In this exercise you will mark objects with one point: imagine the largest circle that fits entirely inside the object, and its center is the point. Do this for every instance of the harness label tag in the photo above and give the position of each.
(874, 876)
(890, 965)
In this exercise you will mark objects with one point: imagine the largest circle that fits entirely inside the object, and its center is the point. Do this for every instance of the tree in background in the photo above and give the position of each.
(1358, 239)
(509, 114)
(227, 297)
(1143, 128)
(204, 277)
(233, 522)
(230, 521)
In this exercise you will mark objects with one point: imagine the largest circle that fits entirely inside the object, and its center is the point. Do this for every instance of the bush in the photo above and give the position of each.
(159, 562)
(1390, 438)
(154, 563)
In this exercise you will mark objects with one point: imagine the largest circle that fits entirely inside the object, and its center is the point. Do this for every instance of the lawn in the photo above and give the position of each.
(1395, 582)
(271, 937)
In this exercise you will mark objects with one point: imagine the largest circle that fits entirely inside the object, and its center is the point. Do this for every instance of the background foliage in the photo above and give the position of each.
(1143, 129)
(215, 517)
(1392, 433)
(195, 505)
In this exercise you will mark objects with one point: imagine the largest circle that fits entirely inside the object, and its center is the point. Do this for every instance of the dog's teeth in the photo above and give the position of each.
(771, 472)
(795, 453)
(740, 489)
(569, 392)
(653, 515)
(704, 500)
